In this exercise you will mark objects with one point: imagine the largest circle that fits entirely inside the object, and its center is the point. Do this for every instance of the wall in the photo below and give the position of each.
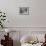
(11, 7)
(39, 13)
(37, 19)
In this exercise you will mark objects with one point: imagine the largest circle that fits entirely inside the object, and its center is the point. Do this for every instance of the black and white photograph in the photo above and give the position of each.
(24, 11)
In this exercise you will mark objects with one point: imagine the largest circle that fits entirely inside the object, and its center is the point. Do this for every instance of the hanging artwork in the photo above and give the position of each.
(24, 10)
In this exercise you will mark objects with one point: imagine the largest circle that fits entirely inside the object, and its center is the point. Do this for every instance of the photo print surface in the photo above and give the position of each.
(24, 10)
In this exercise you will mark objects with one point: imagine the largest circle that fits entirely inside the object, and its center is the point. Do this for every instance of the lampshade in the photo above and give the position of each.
(7, 30)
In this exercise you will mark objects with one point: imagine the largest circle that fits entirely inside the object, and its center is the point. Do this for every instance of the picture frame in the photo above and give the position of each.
(24, 11)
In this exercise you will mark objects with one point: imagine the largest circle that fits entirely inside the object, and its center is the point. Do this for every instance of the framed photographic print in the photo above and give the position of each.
(24, 11)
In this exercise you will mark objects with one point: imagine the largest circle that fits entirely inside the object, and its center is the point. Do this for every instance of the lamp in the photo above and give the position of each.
(7, 31)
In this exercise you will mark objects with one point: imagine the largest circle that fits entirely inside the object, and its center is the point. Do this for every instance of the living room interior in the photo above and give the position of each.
(22, 22)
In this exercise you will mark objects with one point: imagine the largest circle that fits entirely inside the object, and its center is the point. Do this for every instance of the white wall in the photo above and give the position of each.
(39, 13)
(38, 17)
(11, 7)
